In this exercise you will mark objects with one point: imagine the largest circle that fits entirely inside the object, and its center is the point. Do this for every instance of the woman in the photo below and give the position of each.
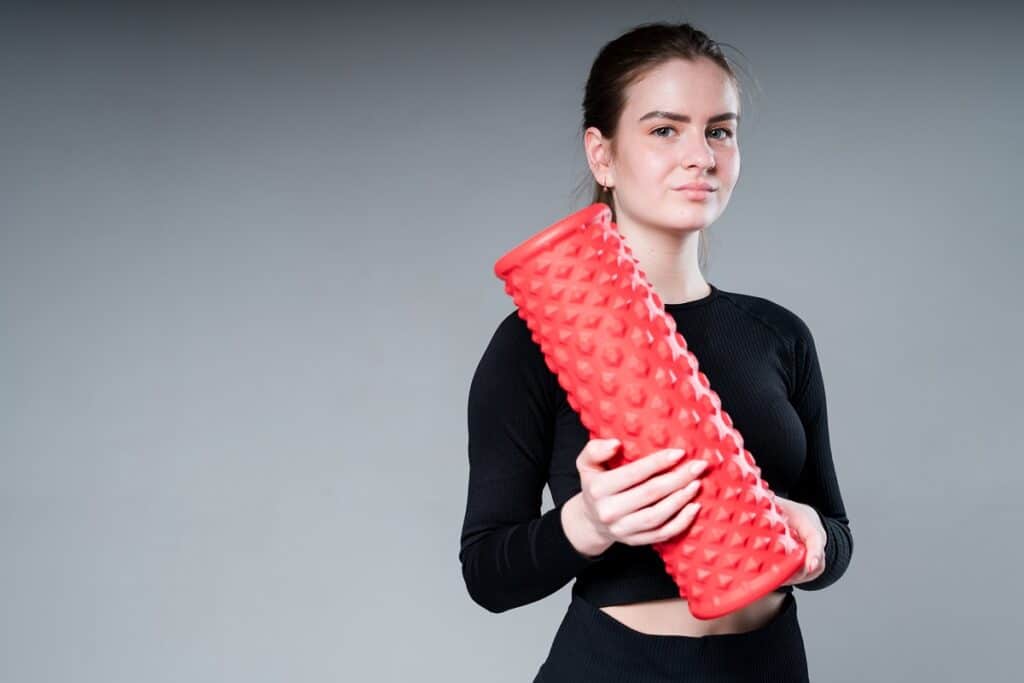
(661, 112)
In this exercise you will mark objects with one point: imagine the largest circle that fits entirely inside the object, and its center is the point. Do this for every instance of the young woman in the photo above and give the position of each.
(661, 114)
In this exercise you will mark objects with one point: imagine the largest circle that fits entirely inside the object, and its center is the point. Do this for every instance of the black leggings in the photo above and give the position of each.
(593, 646)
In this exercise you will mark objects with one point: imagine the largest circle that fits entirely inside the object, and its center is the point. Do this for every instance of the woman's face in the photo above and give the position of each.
(679, 126)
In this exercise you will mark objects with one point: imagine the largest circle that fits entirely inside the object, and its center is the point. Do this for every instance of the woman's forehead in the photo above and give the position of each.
(682, 88)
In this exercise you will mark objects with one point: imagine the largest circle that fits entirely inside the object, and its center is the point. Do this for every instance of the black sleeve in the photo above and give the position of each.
(510, 553)
(818, 485)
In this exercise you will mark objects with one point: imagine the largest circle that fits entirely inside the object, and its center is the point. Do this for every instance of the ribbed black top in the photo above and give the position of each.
(760, 359)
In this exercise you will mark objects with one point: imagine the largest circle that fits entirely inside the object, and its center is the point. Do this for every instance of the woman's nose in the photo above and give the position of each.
(697, 153)
(699, 156)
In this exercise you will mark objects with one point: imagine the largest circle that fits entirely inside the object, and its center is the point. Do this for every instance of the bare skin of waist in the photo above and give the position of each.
(672, 617)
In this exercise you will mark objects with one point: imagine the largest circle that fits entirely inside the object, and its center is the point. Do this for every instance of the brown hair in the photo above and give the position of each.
(623, 60)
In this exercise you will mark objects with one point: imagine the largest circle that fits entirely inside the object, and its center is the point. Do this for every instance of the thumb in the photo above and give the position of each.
(804, 533)
(598, 451)
(794, 521)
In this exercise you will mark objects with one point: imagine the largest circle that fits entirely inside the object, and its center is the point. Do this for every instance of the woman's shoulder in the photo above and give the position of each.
(781, 318)
(514, 345)
(513, 339)
(513, 371)
(513, 335)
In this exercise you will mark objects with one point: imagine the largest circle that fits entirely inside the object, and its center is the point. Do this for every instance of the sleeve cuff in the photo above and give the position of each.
(562, 552)
(838, 549)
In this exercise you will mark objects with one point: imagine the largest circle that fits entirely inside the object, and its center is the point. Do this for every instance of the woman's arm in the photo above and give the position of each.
(818, 485)
(511, 554)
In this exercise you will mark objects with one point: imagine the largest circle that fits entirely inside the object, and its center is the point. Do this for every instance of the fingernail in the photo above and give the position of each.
(698, 466)
(675, 453)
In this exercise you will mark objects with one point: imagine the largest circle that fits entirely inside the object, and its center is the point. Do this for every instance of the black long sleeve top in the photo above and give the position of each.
(760, 359)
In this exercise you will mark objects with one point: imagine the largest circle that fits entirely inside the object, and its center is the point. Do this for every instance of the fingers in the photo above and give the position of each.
(653, 516)
(814, 542)
(803, 521)
(675, 527)
(595, 452)
(814, 557)
(815, 561)
(811, 556)
(799, 575)
(658, 487)
(808, 571)
(626, 476)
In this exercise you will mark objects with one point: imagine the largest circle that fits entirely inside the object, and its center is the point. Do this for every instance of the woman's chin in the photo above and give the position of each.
(689, 220)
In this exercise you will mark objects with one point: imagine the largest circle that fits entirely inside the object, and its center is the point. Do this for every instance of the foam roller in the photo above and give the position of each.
(629, 375)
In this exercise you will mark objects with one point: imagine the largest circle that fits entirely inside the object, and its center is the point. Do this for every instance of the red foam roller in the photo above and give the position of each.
(627, 372)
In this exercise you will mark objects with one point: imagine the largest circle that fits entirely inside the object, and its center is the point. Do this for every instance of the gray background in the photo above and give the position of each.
(245, 278)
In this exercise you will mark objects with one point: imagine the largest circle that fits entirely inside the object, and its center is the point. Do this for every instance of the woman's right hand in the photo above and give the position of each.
(637, 503)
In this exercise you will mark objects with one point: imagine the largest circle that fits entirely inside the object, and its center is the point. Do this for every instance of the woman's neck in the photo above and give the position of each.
(668, 259)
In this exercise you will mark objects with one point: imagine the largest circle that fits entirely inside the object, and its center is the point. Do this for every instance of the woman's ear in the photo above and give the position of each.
(598, 151)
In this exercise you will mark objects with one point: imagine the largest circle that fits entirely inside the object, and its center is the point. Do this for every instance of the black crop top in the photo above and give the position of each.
(760, 359)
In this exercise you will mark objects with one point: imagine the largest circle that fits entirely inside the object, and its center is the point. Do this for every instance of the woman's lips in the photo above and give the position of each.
(696, 195)
(698, 190)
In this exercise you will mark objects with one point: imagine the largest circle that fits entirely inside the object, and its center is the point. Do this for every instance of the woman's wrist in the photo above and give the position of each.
(579, 531)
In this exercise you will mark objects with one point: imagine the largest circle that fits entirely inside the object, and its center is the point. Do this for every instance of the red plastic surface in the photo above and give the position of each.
(628, 373)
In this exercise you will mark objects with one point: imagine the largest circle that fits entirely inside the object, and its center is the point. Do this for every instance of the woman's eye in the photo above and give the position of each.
(728, 133)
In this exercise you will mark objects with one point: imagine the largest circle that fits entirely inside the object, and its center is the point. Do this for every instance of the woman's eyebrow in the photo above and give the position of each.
(658, 114)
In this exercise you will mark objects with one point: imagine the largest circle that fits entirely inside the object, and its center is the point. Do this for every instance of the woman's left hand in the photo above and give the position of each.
(804, 522)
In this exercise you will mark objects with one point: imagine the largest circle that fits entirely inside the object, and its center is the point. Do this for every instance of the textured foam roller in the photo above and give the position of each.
(627, 372)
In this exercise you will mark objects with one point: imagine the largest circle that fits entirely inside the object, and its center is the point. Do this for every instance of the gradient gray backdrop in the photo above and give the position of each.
(246, 275)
